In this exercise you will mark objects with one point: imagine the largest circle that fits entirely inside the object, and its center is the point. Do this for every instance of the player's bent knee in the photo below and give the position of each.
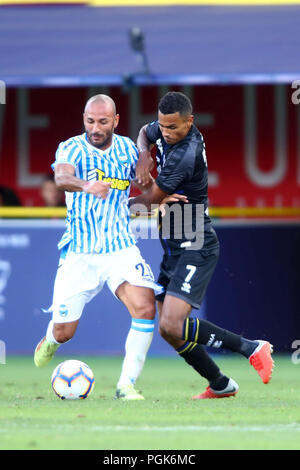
(166, 329)
(145, 310)
(169, 328)
(163, 333)
(62, 333)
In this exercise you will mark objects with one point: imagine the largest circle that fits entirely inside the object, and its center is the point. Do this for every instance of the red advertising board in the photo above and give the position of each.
(251, 133)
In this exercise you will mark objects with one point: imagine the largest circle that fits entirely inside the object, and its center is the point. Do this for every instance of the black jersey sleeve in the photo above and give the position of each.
(153, 131)
(178, 169)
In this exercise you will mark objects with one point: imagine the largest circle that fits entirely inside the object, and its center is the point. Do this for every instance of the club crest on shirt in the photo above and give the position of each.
(63, 310)
(116, 183)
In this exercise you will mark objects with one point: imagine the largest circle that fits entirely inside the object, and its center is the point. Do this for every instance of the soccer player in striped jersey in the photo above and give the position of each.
(188, 263)
(95, 170)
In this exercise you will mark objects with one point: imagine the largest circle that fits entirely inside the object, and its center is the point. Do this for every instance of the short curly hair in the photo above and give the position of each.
(175, 102)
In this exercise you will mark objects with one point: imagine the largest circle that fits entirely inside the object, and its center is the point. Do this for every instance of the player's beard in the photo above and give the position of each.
(103, 141)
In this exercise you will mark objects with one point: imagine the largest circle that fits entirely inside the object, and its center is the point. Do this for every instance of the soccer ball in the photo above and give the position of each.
(72, 380)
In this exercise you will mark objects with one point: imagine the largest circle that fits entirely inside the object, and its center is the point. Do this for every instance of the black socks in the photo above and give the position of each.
(204, 332)
(208, 334)
(198, 332)
(197, 357)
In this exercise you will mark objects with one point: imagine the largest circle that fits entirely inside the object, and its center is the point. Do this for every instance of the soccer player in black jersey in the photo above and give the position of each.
(191, 246)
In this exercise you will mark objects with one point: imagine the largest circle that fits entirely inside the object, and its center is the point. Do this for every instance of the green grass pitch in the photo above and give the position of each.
(259, 417)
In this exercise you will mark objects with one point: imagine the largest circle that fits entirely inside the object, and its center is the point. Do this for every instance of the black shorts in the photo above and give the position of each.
(187, 275)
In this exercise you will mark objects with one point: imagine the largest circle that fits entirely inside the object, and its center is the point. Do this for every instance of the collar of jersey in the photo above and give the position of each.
(95, 148)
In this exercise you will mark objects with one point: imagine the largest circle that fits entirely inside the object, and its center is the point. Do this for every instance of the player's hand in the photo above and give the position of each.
(144, 165)
(172, 198)
(97, 188)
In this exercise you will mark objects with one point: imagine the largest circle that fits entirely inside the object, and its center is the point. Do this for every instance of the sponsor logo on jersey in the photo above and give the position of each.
(116, 183)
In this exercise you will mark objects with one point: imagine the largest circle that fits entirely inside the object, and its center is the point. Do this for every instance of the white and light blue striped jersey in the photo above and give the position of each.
(94, 224)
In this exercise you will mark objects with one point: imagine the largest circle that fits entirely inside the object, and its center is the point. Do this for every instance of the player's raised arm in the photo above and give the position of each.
(145, 162)
(66, 180)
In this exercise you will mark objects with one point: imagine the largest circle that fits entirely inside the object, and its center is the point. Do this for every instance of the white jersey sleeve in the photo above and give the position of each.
(68, 152)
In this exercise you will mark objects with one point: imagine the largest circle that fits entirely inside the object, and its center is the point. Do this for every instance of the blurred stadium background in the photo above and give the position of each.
(237, 61)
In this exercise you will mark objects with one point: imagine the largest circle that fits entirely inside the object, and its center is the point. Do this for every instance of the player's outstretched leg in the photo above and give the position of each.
(258, 352)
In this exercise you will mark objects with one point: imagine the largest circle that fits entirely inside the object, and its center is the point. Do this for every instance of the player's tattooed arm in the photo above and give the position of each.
(145, 162)
(66, 180)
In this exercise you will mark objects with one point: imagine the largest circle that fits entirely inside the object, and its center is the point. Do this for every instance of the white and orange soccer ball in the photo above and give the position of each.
(72, 380)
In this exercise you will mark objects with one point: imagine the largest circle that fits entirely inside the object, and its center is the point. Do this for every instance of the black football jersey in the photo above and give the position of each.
(182, 169)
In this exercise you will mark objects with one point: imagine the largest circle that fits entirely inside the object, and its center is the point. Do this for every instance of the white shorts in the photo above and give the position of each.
(81, 276)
